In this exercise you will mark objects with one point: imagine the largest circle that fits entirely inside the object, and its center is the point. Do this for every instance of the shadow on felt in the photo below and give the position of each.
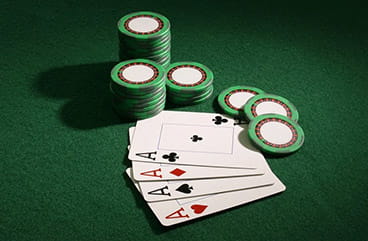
(86, 89)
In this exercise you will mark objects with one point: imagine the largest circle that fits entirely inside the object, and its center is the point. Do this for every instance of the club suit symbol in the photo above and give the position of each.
(196, 138)
(171, 157)
(218, 120)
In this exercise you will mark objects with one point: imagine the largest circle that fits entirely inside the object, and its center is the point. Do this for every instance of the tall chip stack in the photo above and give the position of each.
(138, 88)
(145, 35)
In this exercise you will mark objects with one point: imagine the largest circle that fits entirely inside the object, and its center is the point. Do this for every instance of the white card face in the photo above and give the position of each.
(172, 212)
(168, 190)
(176, 137)
(191, 138)
(146, 171)
(131, 131)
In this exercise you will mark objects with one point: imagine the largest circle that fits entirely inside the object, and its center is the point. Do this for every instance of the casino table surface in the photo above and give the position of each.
(63, 149)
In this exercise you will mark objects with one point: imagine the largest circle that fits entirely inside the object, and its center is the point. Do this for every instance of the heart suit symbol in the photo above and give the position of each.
(198, 209)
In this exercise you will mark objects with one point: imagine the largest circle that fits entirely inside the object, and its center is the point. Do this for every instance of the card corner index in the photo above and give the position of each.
(148, 155)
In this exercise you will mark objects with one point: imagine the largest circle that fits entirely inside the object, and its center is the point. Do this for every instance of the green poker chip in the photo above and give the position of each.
(190, 101)
(189, 94)
(188, 83)
(138, 94)
(133, 105)
(154, 93)
(144, 35)
(270, 104)
(160, 58)
(275, 134)
(182, 76)
(181, 96)
(144, 25)
(165, 61)
(146, 44)
(146, 53)
(137, 75)
(233, 99)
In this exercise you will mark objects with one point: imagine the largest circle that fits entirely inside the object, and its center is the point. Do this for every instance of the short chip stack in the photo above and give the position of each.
(138, 88)
(188, 83)
(145, 35)
(272, 119)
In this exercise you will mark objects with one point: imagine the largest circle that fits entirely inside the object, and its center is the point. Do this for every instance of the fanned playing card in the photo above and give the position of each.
(168, 190)
(172, 212)
(197, 139)
(148, 171)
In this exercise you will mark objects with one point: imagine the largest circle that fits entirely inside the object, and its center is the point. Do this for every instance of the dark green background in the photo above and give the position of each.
(63, 149)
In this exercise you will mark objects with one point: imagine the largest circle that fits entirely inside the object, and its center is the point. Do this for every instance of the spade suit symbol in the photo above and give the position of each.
(185, 188)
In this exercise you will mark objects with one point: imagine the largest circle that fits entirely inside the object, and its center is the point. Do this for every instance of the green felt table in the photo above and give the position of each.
(63, 149)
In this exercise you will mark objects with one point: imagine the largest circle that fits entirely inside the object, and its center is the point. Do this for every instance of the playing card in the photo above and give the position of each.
(147, 171)
(172, 212)
(168, 190)
(198, 139)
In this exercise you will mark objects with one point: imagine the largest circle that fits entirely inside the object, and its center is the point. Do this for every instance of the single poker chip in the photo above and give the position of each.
(165, 61)
(200, 95)
(270, 104)
(191, 101)
(153, 94)
(276, 134)
(233, 99)
(144, 25)
(149, 44)
(161, 59)
(164, 49)
(143, 95)
(132, 104)
(137, 74)
(188, 76)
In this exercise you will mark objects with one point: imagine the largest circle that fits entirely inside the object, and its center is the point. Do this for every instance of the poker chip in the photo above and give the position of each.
(142, 104)
(138, 88)
(137, 75)
(191, 101)
(270, 104)
(233, 99)
(145, 35)
(275, 134)
(188, 83)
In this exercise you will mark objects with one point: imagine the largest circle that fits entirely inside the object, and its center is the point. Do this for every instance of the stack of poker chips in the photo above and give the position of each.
(145, 35)
(188, 83)
(138, 88)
